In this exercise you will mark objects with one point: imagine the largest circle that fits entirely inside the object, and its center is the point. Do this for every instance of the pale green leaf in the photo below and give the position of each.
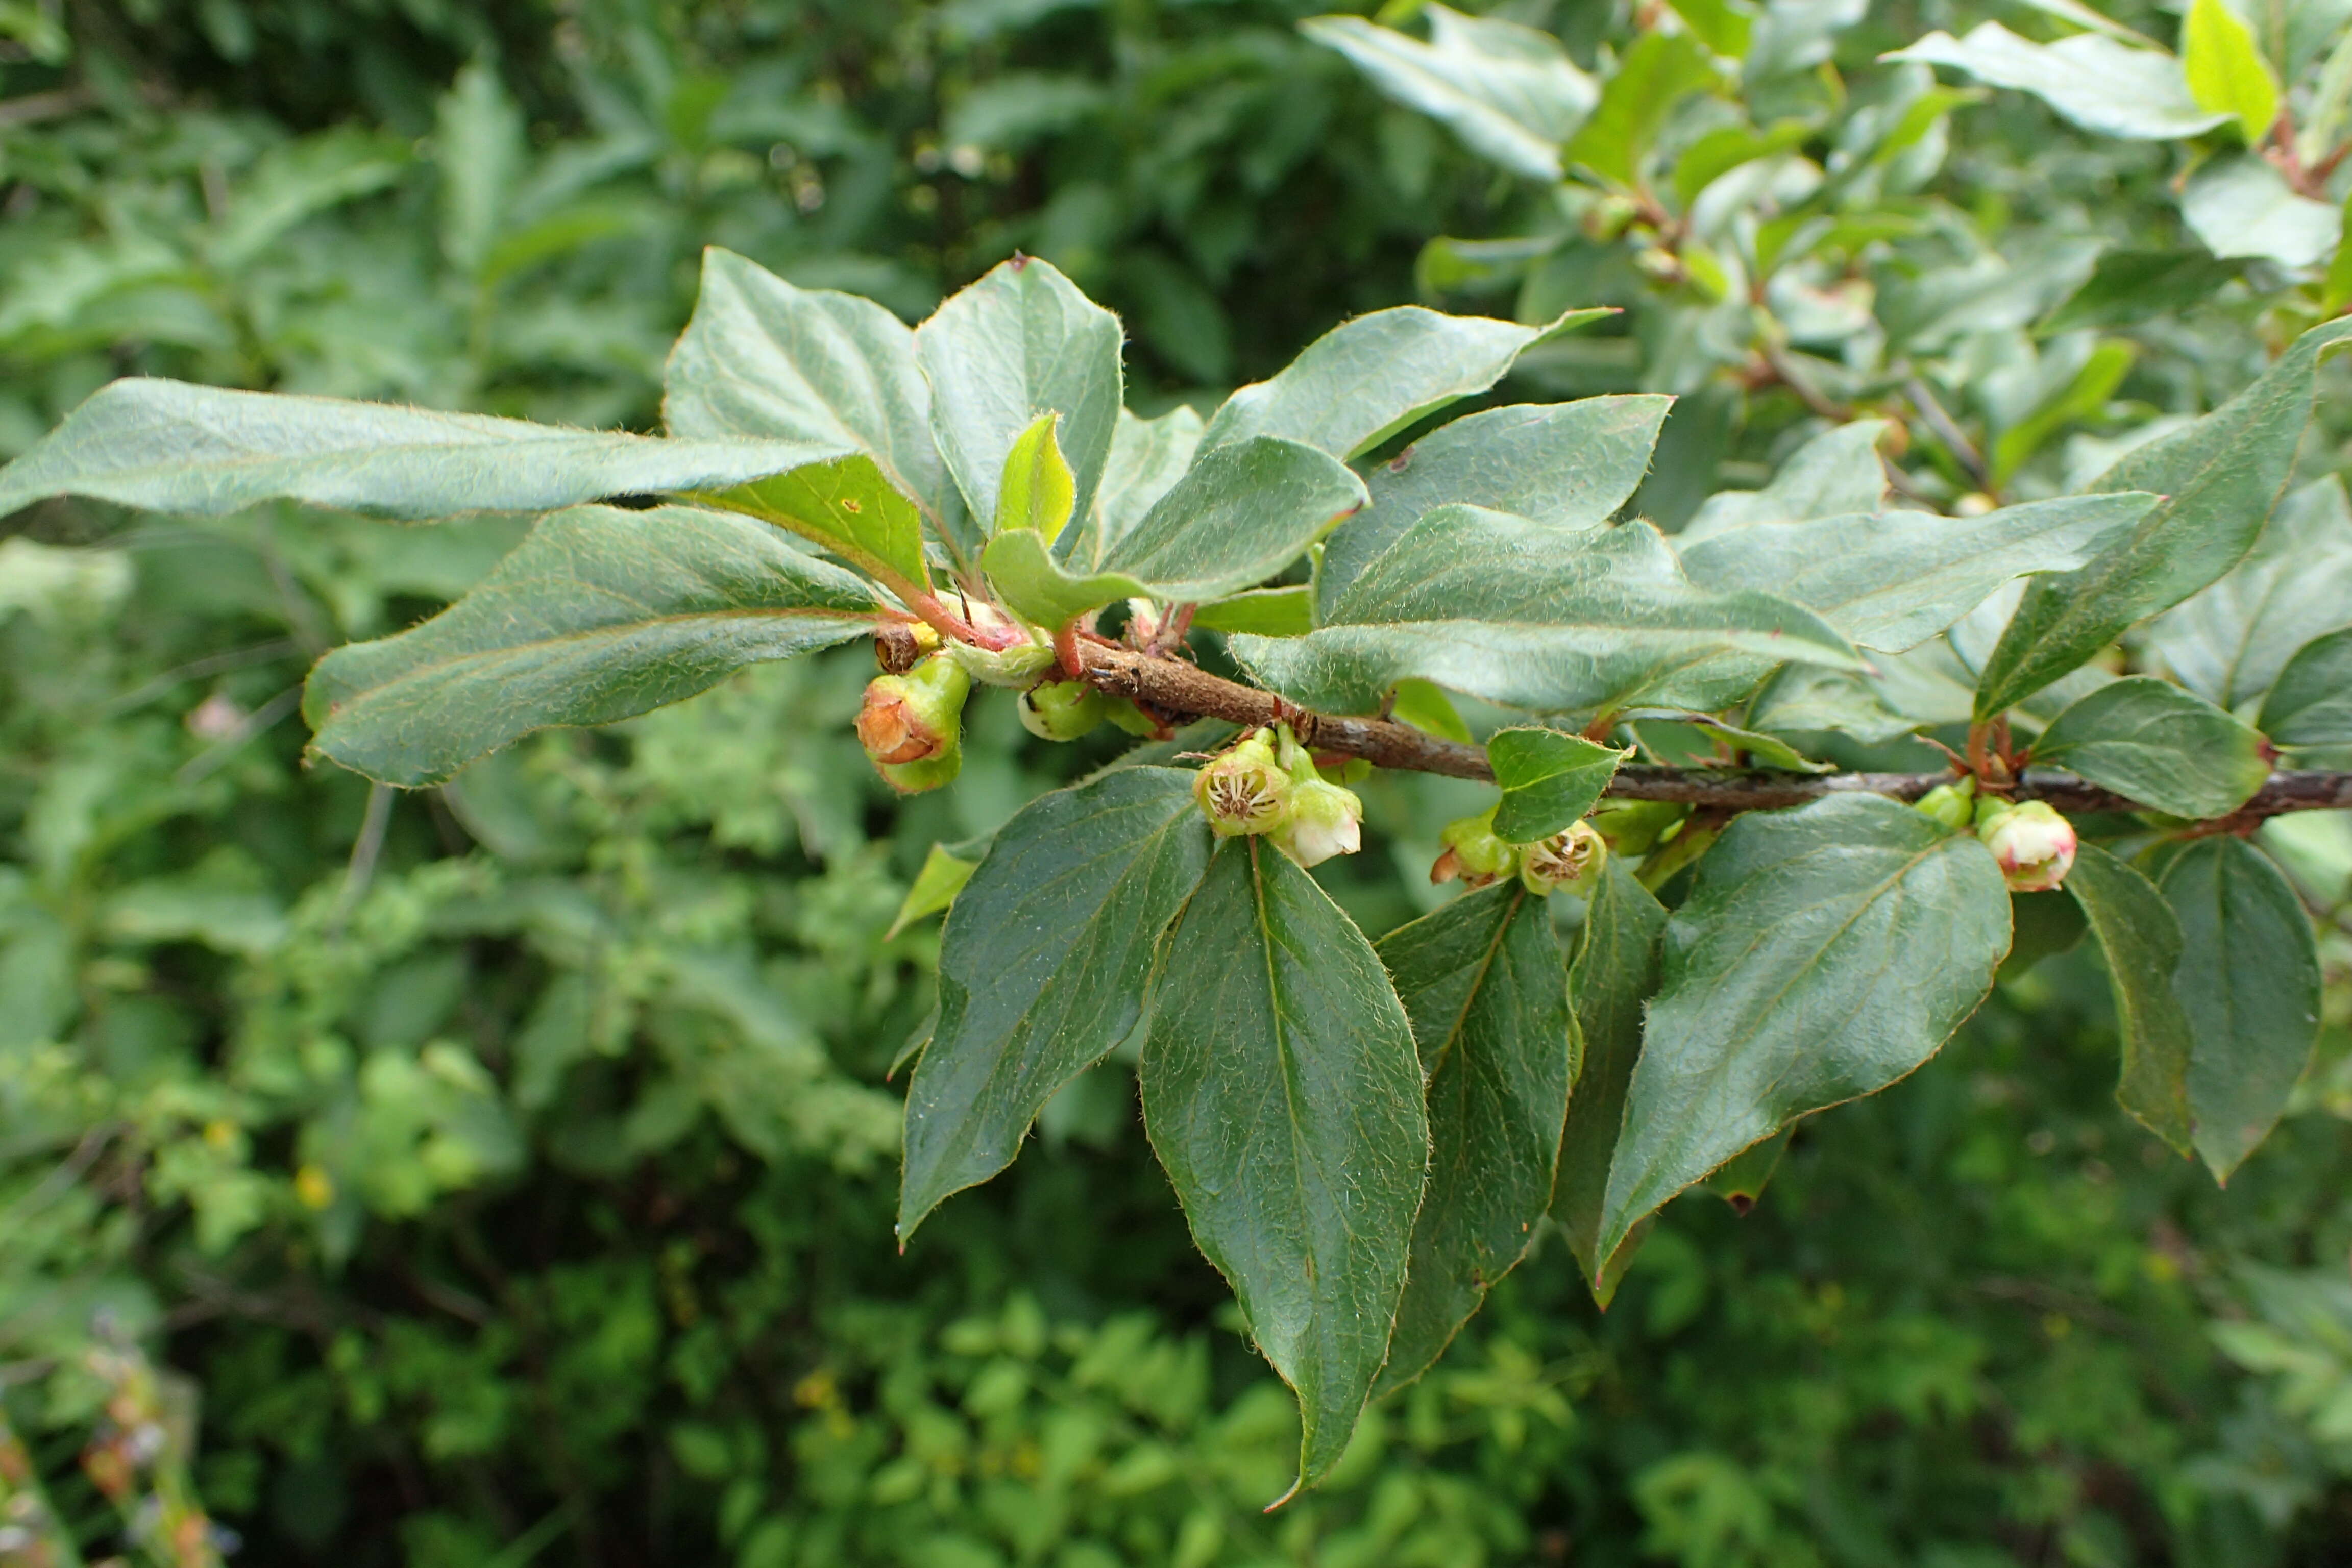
(1282, 1093)
(1803, 696)
(2161, 746)
(1825, 953)
(1510, 92)
(168, 445)
(599, 614)
(1267, 612)
(479, 147)
(1549, 780)
(1036, 491)
(1021, 341)
(1043, 968)
(2223, 477)
(1660, 68)
(2140, 939)
(847, 506)
(1146, 458)
(1428, 710)
(1485, 985)
(2226, 71)
(763, 358)
(2312, 703)
(943, 875)
(1838, 473)
(2243, 206)
(1530, 616)
(2249, 984)
(2099, 83)
(1894, 580)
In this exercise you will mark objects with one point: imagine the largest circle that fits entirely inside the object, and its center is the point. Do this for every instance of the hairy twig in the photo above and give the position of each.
(1174, 687)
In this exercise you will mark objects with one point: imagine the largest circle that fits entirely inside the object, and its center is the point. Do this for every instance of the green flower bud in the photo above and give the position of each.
(1062, 709)
(1324, 820)
(1246, 789)
(1953, 805)
(912, 725)
(1634, 827)
(1474, 853)
(1569, 861)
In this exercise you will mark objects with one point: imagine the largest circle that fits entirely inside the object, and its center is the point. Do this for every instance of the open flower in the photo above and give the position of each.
(1572, 860)
(1324, 820)
(2034, 845)
(1246, 789)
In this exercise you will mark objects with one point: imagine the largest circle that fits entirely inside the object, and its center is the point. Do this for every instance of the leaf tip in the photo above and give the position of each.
(1295, 1487)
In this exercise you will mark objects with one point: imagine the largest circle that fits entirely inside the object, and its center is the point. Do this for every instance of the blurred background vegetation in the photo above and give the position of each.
(503, 1175)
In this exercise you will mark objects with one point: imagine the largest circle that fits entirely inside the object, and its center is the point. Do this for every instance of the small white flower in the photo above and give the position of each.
(1324, 820)
(2034, 845)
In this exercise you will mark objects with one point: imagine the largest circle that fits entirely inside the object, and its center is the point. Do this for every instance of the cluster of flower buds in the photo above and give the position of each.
(1268, 785)
(1570, 860)
(2034, 845)
(912, 724)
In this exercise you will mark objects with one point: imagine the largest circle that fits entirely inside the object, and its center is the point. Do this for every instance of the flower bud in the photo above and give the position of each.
(1061, 710)
(1634, 827)
(2034, 845)
(1324, 820)
(1953, 805)
(915, 721)
(1569, 861)
(1474, 853)
(1246, 789)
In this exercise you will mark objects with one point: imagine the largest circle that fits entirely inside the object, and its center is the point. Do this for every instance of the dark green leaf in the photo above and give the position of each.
(1532, 616)
(765, 360)
(1803, 696)
(1615, 974)
(1823, 953)
(2311, 705)
(2223, 477)
(2229, 643)
(2163, 747)
(599, 614)
(1838, 473)
(2043, 925)
(1284, 1096)
(1549, 780)
(1021, 341)
(1569, 463)
(2249, 983)
(1043, 968)
(203, 452)
(2129, 287)
(2140, 939)
(1485, 985)
(1741, 1180)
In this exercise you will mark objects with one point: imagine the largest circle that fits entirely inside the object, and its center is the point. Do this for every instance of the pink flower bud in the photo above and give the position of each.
(2034, 845)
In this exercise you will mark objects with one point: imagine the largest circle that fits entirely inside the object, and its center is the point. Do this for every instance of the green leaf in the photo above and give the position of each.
(1823, 953)
(2042, 925)
(1573, 464)
(1485, 985)
(943, 876)
(2128, 286)
(1036, 491)
(1021, 341)
(1428, 710)
(1044, 966)
(2223, 477)
(1723, 26)
(1146, 458)
(1549, 780)
(600, 614)
(298, 180)
(1282, 1093)
(2161, 746)
(848, 507)
(1267, 612)
(167, 446)
(1894, 580)
(1616, 972)
(2249, 984)
(1531, 615)
(2243, 206)
(2336, 288)
(1239, 515)
(1365, 380)
(2083, 397)
(2226, 71)
(1741, 1180)
(1657, 72)
(1509, 91)
(763, 358)
(2312, 703)
(2102, 84)
(479, 143)
(1838, 473)
(2229, 643)
(1803, 696)
(1762, 751)
(2140, 939)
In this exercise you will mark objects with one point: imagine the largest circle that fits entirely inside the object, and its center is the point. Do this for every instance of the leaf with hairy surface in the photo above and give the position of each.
(2249, 984)
(1282, 1093)
(1485, 985)
(599, 614)
(170, 447)
(2163, 747)
(1825, 953)
(1146, 458)
(1549, 780)
(1043, 964)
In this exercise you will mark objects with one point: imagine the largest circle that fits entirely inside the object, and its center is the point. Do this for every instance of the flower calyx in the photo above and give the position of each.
(912, 725)
(2034, 845)
(1244, 790)
(1474, 853)
(1569, 861)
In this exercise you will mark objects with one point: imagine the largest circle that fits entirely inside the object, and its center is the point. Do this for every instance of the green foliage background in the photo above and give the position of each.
(511, 1166)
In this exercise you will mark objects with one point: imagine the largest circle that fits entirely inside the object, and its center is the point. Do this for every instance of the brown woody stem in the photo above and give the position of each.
(1174, 687)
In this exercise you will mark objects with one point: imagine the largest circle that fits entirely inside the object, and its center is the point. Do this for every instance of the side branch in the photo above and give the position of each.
(1175, 687)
